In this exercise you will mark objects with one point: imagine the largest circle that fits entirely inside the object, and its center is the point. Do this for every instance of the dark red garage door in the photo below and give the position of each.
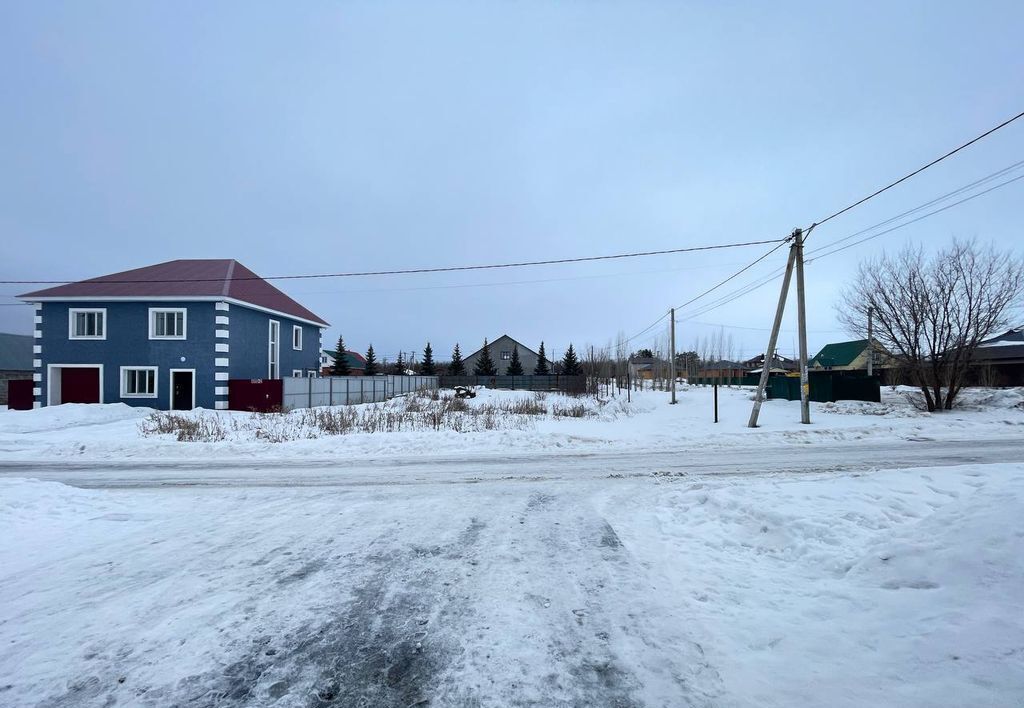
(80, 385)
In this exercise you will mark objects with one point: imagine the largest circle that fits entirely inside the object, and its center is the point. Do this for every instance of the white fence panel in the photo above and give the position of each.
(350, 390)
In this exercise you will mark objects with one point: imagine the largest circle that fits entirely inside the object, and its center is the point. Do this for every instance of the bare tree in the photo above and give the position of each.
(931, 313)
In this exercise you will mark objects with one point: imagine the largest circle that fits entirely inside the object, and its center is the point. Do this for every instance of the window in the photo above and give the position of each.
(312, 374)
(506, 355)
(297, 373)
(296, 337)
(167, 323)
(87, 324)
(138, 381)
(274, 350)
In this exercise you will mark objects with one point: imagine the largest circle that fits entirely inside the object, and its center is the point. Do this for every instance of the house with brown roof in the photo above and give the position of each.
(168, 336)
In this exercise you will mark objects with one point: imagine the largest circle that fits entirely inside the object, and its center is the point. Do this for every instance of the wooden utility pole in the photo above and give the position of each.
(801, 315)
(759, 396)
(871, 344)
(672, 352)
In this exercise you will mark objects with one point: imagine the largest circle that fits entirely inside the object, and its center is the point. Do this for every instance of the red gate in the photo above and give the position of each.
(19, 394)
(261, 395)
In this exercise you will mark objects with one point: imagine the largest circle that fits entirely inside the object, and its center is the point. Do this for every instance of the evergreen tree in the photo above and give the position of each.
(542, 363)
(400, 364)
(515, 367)
(484, 364)
(457, 367)
(341, 367)
(570, 364)
(427, 368)
(371, 362)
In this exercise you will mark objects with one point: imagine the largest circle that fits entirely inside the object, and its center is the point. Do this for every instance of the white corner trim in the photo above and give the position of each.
(222, 320)
(220, 376)
(220, 390)
(37, 404)
(37, 305)
(37, 348)
(38, 334)
(222, 347)
(39, 319)
(222, 334)
(37, 377)
(221, 361)
(36, 392)
(220, 405)
(37, 363)
(223, 307)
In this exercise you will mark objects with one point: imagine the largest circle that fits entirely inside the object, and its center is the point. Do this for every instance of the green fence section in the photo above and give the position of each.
(825, 386)
(724, 381)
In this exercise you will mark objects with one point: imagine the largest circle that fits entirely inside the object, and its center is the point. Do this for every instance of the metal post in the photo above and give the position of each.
(716, 403)
(871, 347)
(801, 315)
(759, 396)
(672, 353)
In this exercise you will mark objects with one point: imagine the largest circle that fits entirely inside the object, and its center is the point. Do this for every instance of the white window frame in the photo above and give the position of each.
(124, 381)
(506, 355)
(297, 329)
(73, 311)
(313, 374)
(297, 374)
(154, 311)
(273, 350)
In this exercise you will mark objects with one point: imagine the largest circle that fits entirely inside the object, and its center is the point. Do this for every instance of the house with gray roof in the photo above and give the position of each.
(501, 354)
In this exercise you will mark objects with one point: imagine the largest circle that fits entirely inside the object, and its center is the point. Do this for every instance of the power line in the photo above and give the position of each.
(914, 221)
(410, 271)
(921, 169)
(937, 200)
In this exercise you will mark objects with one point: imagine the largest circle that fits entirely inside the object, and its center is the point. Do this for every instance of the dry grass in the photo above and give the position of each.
(423, 411)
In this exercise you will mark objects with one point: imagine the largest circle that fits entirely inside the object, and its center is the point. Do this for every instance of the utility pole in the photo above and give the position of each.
(871, 343)
(759, 396)
(672, 352)
(801, 314)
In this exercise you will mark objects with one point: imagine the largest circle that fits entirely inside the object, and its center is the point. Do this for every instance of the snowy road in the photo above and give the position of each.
(425, 469)
(674, 578)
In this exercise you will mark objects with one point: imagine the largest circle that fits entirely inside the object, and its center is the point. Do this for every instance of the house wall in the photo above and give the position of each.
(11, 375)
(127, 343)
(250, 341)
(505, 343)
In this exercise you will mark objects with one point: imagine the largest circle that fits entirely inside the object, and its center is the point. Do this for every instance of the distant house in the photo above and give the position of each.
(501, 353)
(15, 361)
(168, 336)
(842, 356)
(723, 369)
(779, 364)
(356, 362)
(647, 367)
(999, 361)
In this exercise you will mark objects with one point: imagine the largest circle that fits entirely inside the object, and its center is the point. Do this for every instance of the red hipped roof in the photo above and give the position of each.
(187, 278)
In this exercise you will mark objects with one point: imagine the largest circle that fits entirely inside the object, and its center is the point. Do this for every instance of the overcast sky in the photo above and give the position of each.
(320, 137)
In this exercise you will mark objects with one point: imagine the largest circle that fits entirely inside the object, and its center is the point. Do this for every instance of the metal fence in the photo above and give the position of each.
(349, 390)
(553, 382)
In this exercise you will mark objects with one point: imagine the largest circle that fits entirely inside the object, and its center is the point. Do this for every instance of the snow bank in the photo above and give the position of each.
(101, 432)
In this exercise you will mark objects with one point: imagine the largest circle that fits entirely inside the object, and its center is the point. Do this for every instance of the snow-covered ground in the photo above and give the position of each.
(896, 588)
(642, 556)
(113, 431)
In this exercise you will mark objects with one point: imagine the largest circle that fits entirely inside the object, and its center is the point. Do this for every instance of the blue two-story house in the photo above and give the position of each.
(168, 336)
